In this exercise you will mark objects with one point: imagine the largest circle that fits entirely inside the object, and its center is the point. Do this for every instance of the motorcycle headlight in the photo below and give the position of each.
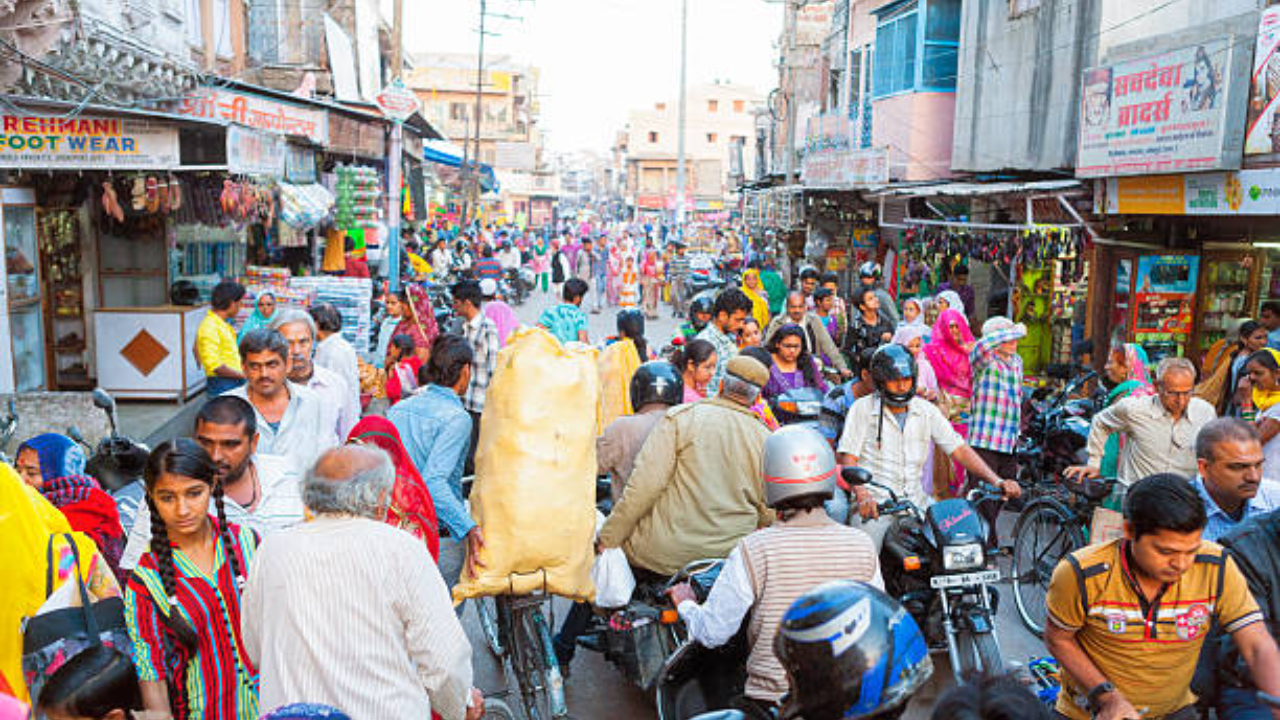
(963, 557)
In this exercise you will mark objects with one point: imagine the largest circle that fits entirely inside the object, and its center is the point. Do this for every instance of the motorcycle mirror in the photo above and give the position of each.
(721, 715)
(73, 432)
(856, 476)
(103, 400)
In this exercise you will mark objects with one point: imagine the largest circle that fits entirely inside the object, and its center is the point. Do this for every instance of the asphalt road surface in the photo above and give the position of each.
(596, 691)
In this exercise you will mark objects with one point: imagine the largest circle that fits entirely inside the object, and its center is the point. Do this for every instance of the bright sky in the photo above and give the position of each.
(601, 58)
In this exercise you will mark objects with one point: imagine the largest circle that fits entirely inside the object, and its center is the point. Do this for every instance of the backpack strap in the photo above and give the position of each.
(1083, 574)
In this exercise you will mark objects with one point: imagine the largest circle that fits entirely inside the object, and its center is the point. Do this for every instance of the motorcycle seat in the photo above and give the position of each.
(1091, 489)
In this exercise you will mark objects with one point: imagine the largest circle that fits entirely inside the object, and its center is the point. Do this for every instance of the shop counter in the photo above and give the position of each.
(149, 352)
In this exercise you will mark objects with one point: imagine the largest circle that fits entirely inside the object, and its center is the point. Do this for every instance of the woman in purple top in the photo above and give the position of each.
(793, 367)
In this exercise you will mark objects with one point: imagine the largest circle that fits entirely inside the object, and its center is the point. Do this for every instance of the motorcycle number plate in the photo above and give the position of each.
(949, 581)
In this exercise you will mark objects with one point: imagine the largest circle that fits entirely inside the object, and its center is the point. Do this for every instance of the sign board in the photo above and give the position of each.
(1263, 135)
(515, 156)
(1243, 192)
(251, 152)
(832, 159)
(1160, 114)
(257, 112)
(397, 102)
(86, 142)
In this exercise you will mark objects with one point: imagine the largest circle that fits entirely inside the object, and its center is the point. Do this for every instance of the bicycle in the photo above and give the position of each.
(1062, 515)
(523, 641)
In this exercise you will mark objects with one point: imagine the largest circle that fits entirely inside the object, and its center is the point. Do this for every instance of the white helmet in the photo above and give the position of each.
(797, 462)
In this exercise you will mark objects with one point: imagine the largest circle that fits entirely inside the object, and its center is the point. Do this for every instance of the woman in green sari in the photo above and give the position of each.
(1127, 372)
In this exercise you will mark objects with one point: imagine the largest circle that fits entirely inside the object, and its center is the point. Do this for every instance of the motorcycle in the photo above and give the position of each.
(934, 563)
(1056, 426)
(517, 284)
(697, 679)
(8, 428)
(704, 274)
(117, 463)
(798, 406)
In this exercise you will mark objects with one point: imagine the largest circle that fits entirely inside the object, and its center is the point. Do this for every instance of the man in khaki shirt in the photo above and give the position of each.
(696, 488)
(1160, 431)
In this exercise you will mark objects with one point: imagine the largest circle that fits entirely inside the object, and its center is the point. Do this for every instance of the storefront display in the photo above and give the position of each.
(60, 249)
(148, 352)
(1269, 279)
(1164, 298)
(23, 284)
(1226, 287)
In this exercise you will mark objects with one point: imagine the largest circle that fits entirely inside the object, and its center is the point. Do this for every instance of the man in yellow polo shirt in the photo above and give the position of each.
(216, 340)
(1127, 618)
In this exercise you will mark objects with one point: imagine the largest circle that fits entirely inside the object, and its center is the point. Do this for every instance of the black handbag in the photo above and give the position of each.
(50, 639)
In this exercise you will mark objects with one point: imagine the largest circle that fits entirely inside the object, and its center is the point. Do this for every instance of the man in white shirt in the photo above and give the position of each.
(1160, 430)
(262, 491)
(509, 256)
(333, 351)
(889, 434)
(389, 606)
(292, 419)
(340, 408)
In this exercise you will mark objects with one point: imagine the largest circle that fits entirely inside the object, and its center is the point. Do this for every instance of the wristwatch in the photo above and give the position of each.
(1102, 688)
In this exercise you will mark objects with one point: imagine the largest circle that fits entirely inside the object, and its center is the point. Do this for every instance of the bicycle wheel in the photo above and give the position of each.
(534, 662)
(1044, 533)
(487, 611)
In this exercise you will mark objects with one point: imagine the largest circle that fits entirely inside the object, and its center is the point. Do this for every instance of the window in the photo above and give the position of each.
(653, 137)
(711, 138)
(457, 111)
(911, 60)
(1022, 7)
(738, 139)
(713, 106)
(739, 106)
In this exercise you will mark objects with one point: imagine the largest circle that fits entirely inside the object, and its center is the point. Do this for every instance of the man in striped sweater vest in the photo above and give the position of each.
(771, 567)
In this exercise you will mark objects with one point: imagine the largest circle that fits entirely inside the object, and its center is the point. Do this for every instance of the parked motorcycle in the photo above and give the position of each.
(1056, 426)
(935, 564)
(117, 463)
(798, 406)
(704, 274)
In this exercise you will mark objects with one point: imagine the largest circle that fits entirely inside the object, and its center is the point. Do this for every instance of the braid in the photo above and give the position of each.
(162, 551)
(224, 531)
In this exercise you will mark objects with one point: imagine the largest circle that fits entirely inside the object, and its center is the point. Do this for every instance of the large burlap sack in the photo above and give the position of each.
(618, 362)
(534, 492)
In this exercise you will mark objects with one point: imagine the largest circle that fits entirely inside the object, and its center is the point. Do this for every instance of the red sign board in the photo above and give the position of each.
(396, 101)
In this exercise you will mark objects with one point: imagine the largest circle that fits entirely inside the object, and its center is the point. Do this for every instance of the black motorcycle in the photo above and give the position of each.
(697, 679)
(704, 274)
(935, 564)
(117, 463)
(1056, 426)
(517, 284)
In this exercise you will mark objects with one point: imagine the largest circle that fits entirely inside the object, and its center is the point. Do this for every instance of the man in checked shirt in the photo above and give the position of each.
(997, 404)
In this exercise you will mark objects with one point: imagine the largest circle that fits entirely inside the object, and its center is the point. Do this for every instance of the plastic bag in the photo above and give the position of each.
(613, 579)
(535, 487)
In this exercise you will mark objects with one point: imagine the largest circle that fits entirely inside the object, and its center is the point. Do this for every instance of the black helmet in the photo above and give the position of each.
(851, 652)
(893, 362)
(703, 302)
(656, 381)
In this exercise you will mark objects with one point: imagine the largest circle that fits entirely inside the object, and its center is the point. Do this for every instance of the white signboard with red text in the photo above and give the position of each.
(259, 113)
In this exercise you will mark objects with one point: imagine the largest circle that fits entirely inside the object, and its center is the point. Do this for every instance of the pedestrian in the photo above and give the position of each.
(560, 270)
(1127, 618)
(418, 320)
(614, 274)
(566, 321)
(730, 310)
(339, 407)
(1230, 477)
(948, 353)
(677, 272)
(332, 349)
(496, 309)
(441, 259)
(583, 262)
(629, 284)
(696, 361)
(97, 682)
(436, 430)
(754, 289)
(997, 404)
(541, 264)
(183, 603)
(775, 287)
(382, 594)
(392, 314)
(1269, 316)
(1160, 431)
(751, 335)
(402, 365)
(870, 276)
(817, 340)
(808, 285)
(959, 285)
(263, 308)
(950, 300)
(216, 340)
(1126, 368)
(1264, 378)
(487, 267)
(291, 419)
(791, 366)
(911, 337)
(599, 274)
(869, 326)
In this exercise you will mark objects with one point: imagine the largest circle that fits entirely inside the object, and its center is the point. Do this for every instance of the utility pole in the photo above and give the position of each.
(395, 154)
(473, 168)
(681, 174)
(788, 65)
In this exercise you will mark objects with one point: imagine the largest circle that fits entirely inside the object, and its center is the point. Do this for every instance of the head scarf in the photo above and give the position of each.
(419, 320)
(257, 320)
(411, 506)
(906, 333)
(759, 301)
(1137, 376)
(919, 321)
(953, 301)
(91, 511)
(1264, 399)
(951, 361)
(59, 455)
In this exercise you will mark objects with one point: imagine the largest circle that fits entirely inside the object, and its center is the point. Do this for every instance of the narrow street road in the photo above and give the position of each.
(596, 691)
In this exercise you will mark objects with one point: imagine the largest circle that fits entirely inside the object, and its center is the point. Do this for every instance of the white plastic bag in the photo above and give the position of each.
(613, 579)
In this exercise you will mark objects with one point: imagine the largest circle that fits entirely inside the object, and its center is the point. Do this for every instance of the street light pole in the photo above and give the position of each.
(681, 176)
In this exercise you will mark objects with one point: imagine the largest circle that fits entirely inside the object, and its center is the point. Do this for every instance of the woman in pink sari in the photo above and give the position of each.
(948, 354)
(613, 284)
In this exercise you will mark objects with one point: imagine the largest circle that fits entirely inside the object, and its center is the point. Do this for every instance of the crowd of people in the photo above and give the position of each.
(293, 556)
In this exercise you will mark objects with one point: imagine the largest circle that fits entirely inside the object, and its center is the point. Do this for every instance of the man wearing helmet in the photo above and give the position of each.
(869, 275)
(699, 314)
(888, 434)
(655, 387)
(772, 567)
(696, 489)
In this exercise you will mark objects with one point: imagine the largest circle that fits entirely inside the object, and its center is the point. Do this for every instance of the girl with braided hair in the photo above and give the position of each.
(182, 604)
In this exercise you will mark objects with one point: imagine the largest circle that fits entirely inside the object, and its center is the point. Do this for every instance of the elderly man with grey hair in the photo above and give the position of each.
(346, 610)
(1160, 430)
(341, 406)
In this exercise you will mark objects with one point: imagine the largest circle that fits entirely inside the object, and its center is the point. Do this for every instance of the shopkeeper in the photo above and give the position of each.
(216, 347)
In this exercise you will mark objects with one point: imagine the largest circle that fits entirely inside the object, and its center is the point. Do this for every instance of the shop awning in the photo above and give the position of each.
(305, 205)
(967, 189)
(443, 152)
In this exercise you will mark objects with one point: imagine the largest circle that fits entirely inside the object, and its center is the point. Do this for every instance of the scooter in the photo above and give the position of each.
(935, 564)
(117, 463)
(798, 406)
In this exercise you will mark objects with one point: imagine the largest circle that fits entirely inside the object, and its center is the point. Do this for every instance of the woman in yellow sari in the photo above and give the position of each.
(754, 288)
(27, 522)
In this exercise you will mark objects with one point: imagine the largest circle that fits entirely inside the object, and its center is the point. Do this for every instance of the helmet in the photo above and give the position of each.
(703, 302)
(656, 381)
(893, 362)
(851, 652)
(869, 270)
(797, 462)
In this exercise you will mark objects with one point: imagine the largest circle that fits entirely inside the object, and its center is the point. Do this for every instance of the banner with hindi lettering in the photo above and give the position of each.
(257, 112)
(1161, 114)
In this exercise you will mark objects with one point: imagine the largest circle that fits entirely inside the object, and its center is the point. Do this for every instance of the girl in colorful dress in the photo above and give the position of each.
(182, 604)
(629, 284)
